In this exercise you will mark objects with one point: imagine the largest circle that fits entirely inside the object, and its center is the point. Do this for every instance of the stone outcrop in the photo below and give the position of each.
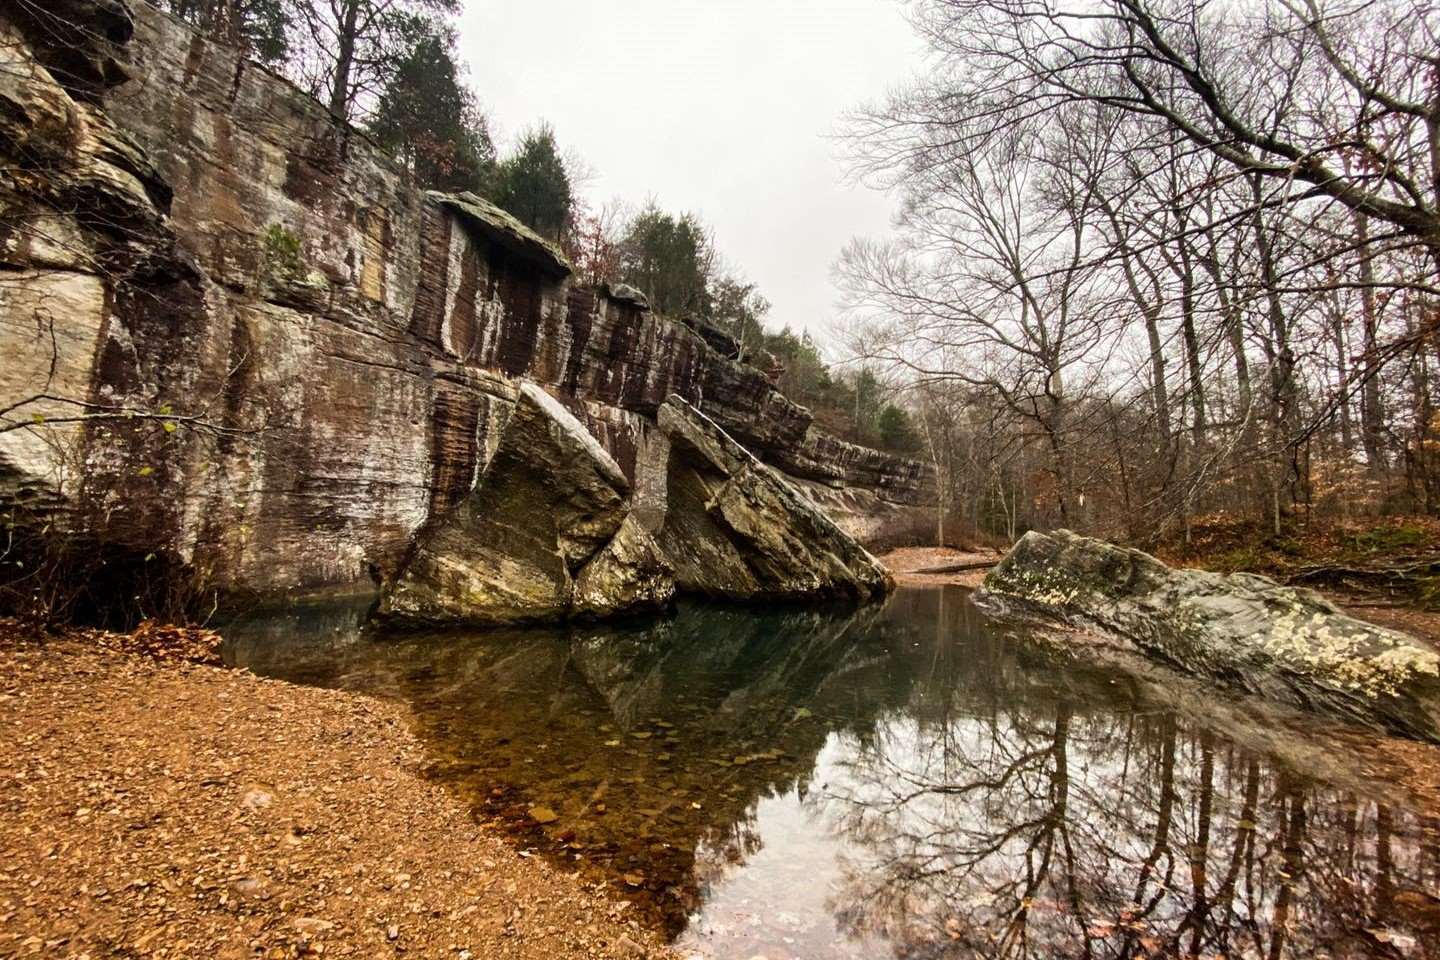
(552, 530)
(1244, 631)
(543, 536)
(308, 358)
(734, 527)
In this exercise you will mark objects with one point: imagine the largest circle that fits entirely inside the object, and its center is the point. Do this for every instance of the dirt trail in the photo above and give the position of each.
(156, 809)
(907, 562)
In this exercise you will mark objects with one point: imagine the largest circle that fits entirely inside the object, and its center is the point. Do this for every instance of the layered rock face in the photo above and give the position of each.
(1242, 630)
(553, 530)
(246, 340)
(733, 527)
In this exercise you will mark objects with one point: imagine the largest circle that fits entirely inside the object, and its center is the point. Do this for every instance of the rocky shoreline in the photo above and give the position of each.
(169, 809)
(1241, 631)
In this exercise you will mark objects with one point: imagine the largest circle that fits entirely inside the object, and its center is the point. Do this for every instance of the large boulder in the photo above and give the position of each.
(629, 574)
(550, 507)
(736, 528)
(1245, 631)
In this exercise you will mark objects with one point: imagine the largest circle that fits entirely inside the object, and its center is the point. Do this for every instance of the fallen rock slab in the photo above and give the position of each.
(736, 528)
(550, 500)
(1243, 631)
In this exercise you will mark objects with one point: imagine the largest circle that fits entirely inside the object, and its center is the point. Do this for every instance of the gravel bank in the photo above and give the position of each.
(167, 809)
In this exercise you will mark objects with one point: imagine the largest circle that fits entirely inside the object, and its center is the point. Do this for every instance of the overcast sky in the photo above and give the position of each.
(720, 107)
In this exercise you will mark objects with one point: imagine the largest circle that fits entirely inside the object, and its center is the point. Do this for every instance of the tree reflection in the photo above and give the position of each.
(978, 796)
(1052, 831)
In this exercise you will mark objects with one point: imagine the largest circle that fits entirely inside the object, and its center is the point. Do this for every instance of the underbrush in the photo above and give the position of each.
(1397, 557)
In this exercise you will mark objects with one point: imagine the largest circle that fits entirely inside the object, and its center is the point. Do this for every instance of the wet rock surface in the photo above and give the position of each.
(1243, 631)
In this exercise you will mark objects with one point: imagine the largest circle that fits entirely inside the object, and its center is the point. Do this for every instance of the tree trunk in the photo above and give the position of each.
(1372, 409)
(1192, 346)
(344, 62)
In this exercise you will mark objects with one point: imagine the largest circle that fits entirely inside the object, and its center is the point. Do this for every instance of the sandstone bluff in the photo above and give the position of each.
(315, 358)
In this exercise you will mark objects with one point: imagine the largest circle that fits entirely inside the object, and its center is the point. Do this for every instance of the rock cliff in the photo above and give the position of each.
(538, 540)
(734, 528)
(240, 337)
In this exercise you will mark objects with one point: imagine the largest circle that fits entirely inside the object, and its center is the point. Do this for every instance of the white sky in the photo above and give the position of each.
(719, 107)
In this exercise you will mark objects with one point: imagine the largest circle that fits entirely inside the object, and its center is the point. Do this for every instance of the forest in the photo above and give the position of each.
(1161, 264)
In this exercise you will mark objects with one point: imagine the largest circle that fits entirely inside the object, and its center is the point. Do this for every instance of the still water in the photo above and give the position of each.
(903, 780)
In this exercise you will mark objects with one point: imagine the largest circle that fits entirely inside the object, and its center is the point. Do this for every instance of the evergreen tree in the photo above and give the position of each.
(669, 258)
(533, 184)
(896, 431)
(260, 27)
(431, 121)
(738, 308)
(350, 50)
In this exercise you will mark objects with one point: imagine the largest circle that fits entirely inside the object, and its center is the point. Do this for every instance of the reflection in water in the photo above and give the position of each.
(898, 780)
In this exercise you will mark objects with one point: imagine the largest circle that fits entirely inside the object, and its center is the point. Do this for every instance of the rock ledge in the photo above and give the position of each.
(1242, 630)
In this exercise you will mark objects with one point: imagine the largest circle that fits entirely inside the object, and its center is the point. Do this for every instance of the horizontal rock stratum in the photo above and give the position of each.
(1243, 631)
(313, 358)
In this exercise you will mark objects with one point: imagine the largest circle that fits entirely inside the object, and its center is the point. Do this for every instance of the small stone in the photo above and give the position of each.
(313, 926)
(256, 799)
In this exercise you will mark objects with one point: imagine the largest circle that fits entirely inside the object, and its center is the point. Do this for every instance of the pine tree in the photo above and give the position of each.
(533, 184)
(431, 121)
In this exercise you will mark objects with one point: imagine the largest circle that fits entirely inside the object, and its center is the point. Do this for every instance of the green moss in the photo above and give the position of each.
(1386, 539)
(1248, 557)
(281, 252)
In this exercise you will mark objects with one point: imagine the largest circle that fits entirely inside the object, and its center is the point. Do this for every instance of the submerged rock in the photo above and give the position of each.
(1248, 632)
(736, 528)
(550, 500)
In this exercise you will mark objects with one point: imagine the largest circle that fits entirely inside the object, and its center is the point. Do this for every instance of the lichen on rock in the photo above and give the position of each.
(1243, 630)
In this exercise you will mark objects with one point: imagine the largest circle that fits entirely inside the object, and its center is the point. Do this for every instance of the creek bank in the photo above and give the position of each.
(1243, 631)
(165, 809)
(916, 566)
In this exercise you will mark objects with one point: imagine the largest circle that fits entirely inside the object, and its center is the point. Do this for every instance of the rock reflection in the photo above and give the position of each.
(898, 780)
(616, 748)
